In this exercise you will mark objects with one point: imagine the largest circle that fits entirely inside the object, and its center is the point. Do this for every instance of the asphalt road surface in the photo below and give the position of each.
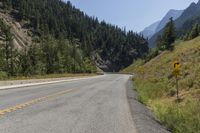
(96, 105)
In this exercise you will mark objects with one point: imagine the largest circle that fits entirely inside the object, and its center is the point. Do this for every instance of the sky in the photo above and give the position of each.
(133, 14)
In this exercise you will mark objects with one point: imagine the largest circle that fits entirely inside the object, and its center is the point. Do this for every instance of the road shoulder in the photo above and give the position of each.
(29, 83)
(142, 116)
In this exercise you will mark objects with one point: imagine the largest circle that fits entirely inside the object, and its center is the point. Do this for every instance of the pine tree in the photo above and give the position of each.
(186, 36)
(24, 63)
(9, 51)
(159, 42)
(7, 4)
(169, 34)
(194, 32)
(168, 38)
(2, 59)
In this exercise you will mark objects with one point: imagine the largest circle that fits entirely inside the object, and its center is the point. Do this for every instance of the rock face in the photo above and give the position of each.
(21, 38)
(149, 31)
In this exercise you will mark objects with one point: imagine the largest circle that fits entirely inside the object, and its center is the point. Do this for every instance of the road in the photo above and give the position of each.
(96, 105)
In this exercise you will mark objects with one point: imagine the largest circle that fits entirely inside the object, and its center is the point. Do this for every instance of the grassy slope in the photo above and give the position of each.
(156, 87)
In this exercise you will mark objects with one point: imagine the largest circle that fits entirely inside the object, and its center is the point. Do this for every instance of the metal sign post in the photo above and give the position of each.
(176, 72)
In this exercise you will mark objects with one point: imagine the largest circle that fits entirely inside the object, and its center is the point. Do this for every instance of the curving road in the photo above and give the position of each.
(96, 105)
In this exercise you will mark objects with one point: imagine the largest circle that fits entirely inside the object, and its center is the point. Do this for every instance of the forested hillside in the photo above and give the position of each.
(110, 47)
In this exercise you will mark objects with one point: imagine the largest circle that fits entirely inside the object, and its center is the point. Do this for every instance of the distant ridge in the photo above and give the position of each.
(190, 16)
(171, 13)
(149, 31)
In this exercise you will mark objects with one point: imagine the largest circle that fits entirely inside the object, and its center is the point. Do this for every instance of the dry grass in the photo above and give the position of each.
(156, 87)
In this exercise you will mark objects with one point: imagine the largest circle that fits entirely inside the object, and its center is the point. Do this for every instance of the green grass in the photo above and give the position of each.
(149, 90)
(156, 87)
(131, 68)
(179, 118)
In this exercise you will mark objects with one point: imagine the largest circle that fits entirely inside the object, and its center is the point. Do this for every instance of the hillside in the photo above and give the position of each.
(110, 47)
(156, 87)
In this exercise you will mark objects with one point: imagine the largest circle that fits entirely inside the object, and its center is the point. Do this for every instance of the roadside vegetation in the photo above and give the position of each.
(46, 55)
(156, 85)
(46, 76)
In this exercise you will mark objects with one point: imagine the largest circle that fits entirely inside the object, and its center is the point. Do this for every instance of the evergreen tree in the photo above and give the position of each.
(2, 59)
(168, 38)
(159, 43)
(7, 4)
(25, 67)
(186, 36)
(169, 34)
(194, 32)
(9, 52)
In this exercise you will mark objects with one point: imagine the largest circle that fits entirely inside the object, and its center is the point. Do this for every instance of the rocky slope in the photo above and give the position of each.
(21, 36)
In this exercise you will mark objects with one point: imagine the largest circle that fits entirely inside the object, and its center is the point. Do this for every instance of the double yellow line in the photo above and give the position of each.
(34, 101)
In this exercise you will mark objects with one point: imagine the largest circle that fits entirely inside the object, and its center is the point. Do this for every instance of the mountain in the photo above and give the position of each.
(172, 13)
(188, 18)
(150, 30)
(67, 39)
(159, 25)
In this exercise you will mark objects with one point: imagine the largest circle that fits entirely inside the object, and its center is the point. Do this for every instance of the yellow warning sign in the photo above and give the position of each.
(176, 66)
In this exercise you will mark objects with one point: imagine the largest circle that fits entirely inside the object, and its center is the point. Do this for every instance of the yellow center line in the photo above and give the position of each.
(34, 101)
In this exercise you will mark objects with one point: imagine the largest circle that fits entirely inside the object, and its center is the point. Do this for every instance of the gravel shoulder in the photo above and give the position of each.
(144, 120)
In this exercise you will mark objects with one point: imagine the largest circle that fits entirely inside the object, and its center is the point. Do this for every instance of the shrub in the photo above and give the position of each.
(3, 75)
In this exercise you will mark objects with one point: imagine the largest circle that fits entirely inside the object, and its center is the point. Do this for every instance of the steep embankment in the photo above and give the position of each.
(156, 86)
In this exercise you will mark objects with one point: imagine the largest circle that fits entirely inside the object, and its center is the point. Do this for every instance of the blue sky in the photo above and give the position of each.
(133, 14)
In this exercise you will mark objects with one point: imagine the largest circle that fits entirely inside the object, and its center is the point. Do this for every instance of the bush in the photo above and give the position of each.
(152, 54)
(3, 75)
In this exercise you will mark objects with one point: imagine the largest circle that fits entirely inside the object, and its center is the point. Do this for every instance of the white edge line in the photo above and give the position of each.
(43, 83)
